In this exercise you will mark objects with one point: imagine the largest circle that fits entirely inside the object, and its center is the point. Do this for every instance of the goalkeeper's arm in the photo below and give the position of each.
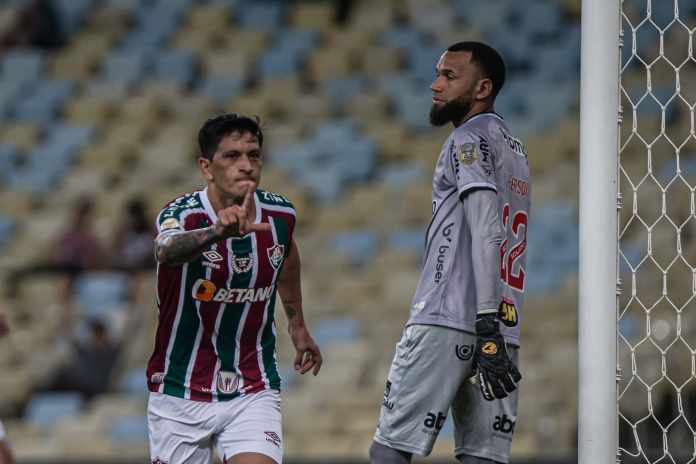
(497, 374)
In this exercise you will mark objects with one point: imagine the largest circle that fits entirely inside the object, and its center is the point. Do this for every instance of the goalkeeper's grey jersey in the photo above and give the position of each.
(479, 154)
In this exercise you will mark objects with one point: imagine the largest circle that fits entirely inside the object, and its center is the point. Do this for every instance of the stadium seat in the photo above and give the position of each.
(318, 15)
(44, 105)
(360, 245)
(100, 292)
(48, 409)
(339, 330)
(24, 136)
(262, 16)
(343, 90)
(126, 67)
(9, 157)
(223, 64)
(175, 65)
(71, 13)
(220, 89)
(22, 65)
(330, 64)
(128, 429)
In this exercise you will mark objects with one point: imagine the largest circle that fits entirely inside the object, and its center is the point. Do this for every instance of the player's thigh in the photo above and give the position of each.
(429, 365)
(254, 434)
(180, 430)
(482, 428)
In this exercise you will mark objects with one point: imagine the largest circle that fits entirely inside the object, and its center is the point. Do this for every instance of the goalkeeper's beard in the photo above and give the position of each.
(451, 111)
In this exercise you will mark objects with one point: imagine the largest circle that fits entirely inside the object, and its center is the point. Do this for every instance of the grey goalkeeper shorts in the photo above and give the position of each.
(428, 377)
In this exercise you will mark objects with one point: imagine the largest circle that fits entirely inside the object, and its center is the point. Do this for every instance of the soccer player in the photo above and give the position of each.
(222, 254)
(5, 453)
(464, 319)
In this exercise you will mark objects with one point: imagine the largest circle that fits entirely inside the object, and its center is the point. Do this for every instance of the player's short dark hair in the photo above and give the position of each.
(214, 129)
(488, 60)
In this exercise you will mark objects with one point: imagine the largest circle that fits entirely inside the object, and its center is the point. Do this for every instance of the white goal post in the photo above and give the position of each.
(597, 304)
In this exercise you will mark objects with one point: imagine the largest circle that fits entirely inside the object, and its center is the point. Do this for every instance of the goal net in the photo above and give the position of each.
(657, 233)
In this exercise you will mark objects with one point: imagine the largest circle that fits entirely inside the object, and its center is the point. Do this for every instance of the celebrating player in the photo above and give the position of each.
(5, 453)
(222, 253)
(465, 314)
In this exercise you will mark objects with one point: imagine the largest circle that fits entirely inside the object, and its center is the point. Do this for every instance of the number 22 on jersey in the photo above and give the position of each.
(509, 257)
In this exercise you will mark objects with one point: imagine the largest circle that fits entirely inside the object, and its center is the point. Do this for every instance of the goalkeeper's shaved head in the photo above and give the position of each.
(487, 59)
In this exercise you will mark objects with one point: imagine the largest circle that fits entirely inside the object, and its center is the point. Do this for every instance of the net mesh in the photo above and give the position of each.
(657, 233)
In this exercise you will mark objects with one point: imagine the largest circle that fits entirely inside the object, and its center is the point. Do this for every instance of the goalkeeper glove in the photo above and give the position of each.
(497, 374)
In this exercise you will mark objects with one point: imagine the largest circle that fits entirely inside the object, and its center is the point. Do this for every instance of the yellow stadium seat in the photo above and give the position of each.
(209, 17)
(227, 63)
(23, 134)
(316, 15)
(251, 40)
(373, 16)
(144, 109)
(197, 40)
(392, 138)
(331, 63)
(73, 65)
(89, 110)
(381, 60)
(352, 39)
(367, 108)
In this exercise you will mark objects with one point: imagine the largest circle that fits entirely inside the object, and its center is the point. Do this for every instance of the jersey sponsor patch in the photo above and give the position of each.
(227, 382)
(205, 290)
(170, 223)
(508, 314)
(275, 255)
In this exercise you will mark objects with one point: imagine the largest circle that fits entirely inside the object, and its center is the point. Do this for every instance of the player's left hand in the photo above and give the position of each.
(497, 374)
(308, 356)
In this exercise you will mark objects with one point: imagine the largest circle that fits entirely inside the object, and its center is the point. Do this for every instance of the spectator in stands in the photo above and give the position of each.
(75, 250)
(5, 453)
(134, 239)
(37, 26)
(90, 365)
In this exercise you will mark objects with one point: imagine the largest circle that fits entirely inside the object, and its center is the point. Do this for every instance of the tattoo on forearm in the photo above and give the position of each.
(183, 247)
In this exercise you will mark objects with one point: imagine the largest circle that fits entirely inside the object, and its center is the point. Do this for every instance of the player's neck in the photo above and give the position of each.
(476, 108)
(220, 200)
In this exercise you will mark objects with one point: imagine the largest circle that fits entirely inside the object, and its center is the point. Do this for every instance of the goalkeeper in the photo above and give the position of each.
(465, 314)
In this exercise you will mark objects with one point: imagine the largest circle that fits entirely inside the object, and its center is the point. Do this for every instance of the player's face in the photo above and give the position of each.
(455, 88)
(236, 165)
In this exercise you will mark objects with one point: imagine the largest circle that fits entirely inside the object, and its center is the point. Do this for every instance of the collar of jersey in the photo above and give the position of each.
(484, 113)
(211, 212)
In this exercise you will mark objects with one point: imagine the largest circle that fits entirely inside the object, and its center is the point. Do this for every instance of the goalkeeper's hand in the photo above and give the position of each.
(497, 374)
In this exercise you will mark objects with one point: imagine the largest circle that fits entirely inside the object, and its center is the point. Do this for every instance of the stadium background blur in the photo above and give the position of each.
(100, 101)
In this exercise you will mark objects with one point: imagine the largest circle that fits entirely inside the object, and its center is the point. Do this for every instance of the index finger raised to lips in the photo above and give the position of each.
(246, 204)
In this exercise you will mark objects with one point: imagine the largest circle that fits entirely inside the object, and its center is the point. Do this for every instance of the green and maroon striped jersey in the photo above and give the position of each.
(216, 333)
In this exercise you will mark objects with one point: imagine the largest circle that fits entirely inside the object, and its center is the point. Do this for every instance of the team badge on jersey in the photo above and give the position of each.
(467, 153)
(227, 382)
(242, 264)
(159, 461)
(275, 255)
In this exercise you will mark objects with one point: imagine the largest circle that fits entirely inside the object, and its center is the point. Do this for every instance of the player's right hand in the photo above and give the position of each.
(237, 221)
(497, 374)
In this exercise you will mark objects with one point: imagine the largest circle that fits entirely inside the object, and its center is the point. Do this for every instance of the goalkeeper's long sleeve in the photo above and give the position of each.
(481, 213)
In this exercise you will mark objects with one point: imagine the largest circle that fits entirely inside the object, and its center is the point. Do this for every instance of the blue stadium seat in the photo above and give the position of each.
(7, 229)
(133, 382)
(422, 61)
(355, 160)
(175, 65)
(338, 330)
(359, 245)
(343, 89)
(9, 156)
(128, 429)
(126, 67)
(22, 65)
(399, 174)
(71, 12)
(45, 103)
(221, 89)
(413, 108)
(263, 16)
(396, 84)
(405, 37)
(47, 409)
(324, 184)
(98, 292)
(296, 40)
(407, 240)
(280, 62)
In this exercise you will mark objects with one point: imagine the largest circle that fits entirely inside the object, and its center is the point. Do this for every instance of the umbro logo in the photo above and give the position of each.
(212, 256)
